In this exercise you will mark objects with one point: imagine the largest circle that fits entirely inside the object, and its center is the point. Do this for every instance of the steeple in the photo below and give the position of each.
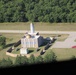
(31, 28)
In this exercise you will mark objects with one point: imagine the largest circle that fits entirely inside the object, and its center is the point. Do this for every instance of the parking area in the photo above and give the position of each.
(68, 43)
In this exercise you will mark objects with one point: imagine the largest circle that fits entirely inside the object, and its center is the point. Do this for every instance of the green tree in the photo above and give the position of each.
(37, 10)
(21, 60)
(31, 59)
(50, 57)
(39, 59)
(6, 63)
(18, 60)
(73, 57)
(24, 60)
(2, 42)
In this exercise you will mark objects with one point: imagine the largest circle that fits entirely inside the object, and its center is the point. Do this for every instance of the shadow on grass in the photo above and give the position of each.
(47, 48)
(30, 51)
(48, 45)
(8, 45)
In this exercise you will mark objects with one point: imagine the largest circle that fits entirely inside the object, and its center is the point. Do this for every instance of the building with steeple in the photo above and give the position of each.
(31, 39)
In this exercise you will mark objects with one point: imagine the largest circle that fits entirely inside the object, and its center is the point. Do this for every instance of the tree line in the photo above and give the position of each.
(38, 10)
(23, 60)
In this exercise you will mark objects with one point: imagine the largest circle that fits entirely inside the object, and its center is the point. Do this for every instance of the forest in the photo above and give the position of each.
(38, 11)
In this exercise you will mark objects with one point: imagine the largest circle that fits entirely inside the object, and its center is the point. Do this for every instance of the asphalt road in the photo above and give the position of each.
(68, 43)
(41, 32)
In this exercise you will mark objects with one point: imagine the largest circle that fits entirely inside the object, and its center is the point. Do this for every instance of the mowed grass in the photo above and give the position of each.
(3, 55)
(63, 53)
(39, 26)
(10, 39)
(14, 37)
(61, 37)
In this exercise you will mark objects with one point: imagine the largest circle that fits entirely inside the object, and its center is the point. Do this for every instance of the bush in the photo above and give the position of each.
(6, 63)
(50, 57)
(31, 59)
(2, 42)
(21, 60)
(39, 59)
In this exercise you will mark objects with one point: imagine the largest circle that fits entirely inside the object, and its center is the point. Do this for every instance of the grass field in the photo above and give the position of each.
(16, 52)
(61, 54)
(12, 38)
(75, 40)
(64, 54)
(3, 55)
(62, 37)
(39, 26)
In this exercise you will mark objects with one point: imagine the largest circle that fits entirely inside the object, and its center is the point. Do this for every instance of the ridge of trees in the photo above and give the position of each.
(38, 10)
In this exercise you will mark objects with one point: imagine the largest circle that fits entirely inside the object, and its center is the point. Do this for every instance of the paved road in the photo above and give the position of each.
(68, 43)
(41, 32)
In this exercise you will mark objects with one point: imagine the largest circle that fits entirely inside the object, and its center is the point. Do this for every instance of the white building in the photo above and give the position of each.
(23, 51)
(31, 39)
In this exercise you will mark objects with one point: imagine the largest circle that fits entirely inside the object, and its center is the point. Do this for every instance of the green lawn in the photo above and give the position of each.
(16, 52)
(39, 26)
(3, 55)
(31, 50)
(62, 37)
(12, 38)
(75, 40)
(63, 53)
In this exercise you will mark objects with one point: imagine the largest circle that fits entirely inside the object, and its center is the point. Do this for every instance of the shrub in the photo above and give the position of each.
(50, 57)
(21, 60)
(39, 59)
(6, 63)
(2, 42)
(32, 59)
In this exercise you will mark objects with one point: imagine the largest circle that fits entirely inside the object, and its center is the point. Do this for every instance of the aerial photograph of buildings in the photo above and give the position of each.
(37, 31)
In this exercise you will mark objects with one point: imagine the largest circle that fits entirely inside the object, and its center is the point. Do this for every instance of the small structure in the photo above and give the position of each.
(23, 51)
